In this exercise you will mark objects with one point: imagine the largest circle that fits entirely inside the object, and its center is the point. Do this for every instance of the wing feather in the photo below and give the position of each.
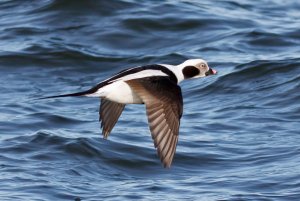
(109, 114)
(164, 105)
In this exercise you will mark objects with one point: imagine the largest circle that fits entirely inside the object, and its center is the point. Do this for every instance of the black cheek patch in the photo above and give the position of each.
(190, 71)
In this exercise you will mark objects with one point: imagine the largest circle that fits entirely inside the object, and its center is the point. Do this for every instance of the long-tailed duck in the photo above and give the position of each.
(156, 86)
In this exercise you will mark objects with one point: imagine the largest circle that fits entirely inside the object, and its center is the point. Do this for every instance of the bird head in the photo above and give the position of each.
(195, 68)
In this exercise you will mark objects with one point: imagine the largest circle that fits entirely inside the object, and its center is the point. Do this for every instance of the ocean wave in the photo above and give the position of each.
(258, 76)
(239, 131)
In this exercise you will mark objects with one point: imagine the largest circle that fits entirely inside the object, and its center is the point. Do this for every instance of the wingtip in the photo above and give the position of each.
(165, 163)
(105, 134)
(167, 166)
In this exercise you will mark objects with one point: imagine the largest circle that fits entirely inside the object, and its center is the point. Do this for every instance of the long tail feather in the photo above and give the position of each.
(82, 93)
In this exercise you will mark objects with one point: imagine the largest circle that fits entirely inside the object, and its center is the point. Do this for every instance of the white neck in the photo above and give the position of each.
(177, 70)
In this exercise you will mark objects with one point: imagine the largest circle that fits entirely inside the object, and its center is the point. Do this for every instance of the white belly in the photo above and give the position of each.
(119, 92)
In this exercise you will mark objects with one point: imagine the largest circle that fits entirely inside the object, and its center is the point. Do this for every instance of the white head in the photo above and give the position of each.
(194, 68)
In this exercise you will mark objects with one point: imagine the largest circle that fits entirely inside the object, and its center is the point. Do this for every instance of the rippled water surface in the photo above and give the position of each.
(240, 132)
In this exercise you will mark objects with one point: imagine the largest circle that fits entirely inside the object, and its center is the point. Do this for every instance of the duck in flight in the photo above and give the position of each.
(157, 87)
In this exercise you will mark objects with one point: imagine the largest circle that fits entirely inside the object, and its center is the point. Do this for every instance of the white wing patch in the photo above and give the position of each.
(141, 74)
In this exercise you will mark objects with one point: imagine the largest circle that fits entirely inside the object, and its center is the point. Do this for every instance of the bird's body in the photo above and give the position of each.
(118, 90)
(156, 86)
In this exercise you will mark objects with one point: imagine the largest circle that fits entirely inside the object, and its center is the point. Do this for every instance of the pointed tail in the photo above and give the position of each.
(82, 93)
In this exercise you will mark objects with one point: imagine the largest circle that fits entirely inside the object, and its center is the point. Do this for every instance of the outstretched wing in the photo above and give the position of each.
(109, 114)
(164, 105)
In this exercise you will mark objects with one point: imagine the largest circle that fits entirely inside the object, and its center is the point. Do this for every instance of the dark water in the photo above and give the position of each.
(239, 136)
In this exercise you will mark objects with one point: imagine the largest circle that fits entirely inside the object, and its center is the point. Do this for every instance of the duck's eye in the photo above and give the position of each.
(203, 65)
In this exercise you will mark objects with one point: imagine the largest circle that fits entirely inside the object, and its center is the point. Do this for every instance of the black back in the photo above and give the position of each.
(125, 72)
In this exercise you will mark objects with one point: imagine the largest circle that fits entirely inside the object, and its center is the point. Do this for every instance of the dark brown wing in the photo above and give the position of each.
(109, 114)
(163, 101)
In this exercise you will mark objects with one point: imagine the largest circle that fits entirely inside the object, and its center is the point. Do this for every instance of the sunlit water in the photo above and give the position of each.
(239, 136)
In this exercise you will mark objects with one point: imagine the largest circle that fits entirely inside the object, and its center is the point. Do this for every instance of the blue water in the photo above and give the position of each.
(239, 136)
